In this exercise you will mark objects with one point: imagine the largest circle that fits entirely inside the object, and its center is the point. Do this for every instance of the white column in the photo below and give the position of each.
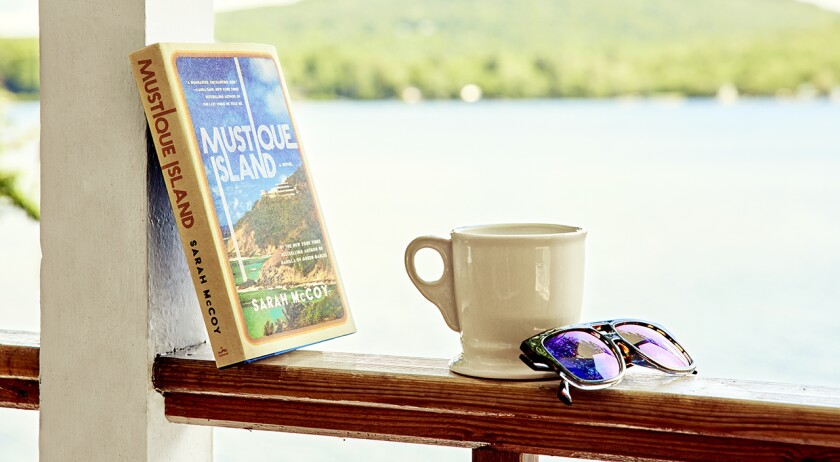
(115, 289)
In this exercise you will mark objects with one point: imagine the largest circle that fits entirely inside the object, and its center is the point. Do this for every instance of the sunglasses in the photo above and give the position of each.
(595, 355)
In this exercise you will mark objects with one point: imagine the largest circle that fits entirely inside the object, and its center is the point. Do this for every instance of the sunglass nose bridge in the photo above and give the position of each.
(610, 334)
(626, 353)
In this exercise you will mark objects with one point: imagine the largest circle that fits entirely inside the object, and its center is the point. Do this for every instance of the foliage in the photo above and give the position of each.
(10, 188)
(544, 48)
(531, 48)
(19, 70)
(285, 219)
(298, 315)
(19, 66)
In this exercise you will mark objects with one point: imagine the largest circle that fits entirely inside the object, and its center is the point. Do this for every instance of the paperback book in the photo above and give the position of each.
(243, 198)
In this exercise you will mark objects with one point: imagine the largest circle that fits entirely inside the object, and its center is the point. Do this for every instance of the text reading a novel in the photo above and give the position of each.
(237, 179)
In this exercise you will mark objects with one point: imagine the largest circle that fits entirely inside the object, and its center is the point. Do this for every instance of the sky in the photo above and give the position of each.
(19, 18)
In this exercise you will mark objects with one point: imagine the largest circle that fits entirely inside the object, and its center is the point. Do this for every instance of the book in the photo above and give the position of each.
(243, 198)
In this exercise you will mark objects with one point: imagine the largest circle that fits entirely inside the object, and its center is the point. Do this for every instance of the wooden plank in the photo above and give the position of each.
(19, 370)
(726, 410)
(19, 394)
(419, 400)
(307, 363)
(490, 454)
(508, 433)
(19, 355)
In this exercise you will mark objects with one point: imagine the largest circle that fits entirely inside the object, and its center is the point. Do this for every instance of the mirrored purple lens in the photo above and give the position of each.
(584, 355)
(654, 345)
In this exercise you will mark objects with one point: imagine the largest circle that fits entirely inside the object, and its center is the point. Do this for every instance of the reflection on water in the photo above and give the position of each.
(719, 222)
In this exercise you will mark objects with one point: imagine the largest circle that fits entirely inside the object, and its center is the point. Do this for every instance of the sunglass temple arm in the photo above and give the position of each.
(537, 366)
(563, 392)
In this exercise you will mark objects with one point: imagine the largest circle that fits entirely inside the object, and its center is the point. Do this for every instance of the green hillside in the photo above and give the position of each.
(260, 229)
(544, 48)
(528, 48)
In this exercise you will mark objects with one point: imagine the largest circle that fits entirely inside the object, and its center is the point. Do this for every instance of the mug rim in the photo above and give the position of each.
(560, 231)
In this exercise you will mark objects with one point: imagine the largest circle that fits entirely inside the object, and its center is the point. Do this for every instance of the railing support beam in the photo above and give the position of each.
(115, 290)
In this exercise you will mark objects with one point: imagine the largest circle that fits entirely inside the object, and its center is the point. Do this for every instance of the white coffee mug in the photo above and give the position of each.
(500, 285)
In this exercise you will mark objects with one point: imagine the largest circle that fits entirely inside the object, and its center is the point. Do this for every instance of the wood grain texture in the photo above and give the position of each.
(19, 364)
(515, 434)
(417, 400)
(19, 394)
(19, 355)
(648, 416)
(489, 454)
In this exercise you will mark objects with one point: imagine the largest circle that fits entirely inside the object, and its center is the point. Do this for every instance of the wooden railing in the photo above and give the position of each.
(19, 369)
(417, 400)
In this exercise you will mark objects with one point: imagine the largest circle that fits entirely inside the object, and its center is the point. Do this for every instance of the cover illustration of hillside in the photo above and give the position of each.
(268, 218)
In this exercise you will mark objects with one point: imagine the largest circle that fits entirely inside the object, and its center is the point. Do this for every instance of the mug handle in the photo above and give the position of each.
(442, 291)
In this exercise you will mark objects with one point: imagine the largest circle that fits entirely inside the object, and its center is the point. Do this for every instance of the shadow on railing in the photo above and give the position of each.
(418, 400)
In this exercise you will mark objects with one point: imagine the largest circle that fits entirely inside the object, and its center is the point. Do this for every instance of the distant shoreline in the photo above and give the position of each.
(630, 99)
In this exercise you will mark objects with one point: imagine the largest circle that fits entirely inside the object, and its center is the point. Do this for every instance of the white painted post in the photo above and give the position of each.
(115, 289)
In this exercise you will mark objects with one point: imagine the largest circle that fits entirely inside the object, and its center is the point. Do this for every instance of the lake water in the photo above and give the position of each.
(720, 222)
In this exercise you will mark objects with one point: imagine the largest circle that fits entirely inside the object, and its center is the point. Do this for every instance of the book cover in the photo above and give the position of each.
(242, 196)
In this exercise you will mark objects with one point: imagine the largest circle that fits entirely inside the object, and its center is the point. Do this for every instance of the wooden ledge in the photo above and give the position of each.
(19, 365)
(648, 416)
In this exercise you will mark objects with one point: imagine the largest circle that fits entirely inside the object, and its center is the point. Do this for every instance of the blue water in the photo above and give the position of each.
(720, 222)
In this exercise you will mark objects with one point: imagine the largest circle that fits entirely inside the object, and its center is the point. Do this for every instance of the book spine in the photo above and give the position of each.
(189, 196)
